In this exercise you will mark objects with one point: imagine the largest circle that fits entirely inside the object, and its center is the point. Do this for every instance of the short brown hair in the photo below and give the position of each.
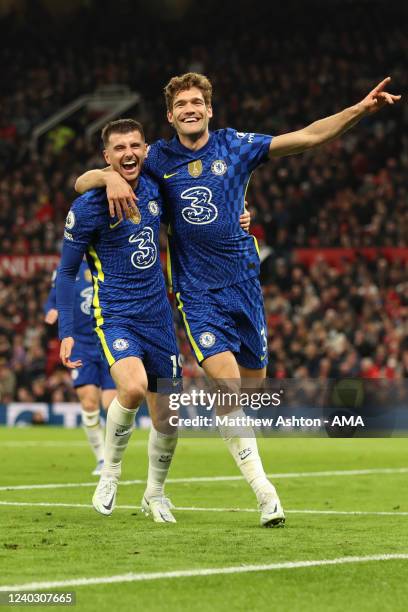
(121, 126)
(185, 81)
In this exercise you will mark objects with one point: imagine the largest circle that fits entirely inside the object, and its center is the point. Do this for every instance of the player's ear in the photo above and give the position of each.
(209, 111)
(106, 156)
(170, 117)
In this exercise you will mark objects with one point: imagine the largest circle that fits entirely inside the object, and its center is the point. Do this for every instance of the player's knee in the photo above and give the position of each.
(133, 392)
(89, 404)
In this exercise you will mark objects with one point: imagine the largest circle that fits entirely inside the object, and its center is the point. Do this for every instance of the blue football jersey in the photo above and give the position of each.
(123, 256)
(204, 193)
(83, 324)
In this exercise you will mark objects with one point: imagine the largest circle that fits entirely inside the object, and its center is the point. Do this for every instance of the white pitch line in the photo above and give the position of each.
(56, 443)
(363, 472)
(199, 509)
(42, 443)
(213, 571)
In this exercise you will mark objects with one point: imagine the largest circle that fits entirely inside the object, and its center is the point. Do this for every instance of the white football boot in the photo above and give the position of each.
(98, 469)
(104, 498)
(159, 508)
(272, 514)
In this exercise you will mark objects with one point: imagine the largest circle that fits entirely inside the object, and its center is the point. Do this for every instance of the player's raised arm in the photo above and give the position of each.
(329, 128)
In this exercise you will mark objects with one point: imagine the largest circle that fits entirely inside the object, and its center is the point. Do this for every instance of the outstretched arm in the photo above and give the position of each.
(329, 128)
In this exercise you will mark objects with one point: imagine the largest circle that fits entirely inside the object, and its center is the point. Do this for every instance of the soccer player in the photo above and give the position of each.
(92, 382)
(215, 266)
(132, 315)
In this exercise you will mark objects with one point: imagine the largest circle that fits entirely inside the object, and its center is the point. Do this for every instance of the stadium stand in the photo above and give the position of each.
(327, 315)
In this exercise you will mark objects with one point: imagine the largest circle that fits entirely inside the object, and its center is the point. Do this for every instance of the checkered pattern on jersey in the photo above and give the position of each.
(204, 194)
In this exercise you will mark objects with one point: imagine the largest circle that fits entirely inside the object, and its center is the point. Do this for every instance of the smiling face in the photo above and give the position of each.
(126, 154)
(189, 114)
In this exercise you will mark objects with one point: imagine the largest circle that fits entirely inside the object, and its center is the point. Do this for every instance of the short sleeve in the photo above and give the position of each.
(252, 149)
(152, 162)
(80, 224)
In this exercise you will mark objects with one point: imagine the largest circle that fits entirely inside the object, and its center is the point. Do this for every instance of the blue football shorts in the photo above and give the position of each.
(94, 369)
(155, 345)
(227, 319)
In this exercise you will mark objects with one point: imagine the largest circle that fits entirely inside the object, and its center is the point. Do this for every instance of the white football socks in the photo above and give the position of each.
(94, 431)
(241, 442)
(119, 427)
(161, 449)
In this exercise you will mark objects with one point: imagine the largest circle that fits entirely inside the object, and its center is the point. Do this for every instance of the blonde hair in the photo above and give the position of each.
(186, 81)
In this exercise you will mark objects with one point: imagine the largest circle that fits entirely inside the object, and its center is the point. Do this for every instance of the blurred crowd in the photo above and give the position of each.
(322, 321)
(29, 349)
(331, 322)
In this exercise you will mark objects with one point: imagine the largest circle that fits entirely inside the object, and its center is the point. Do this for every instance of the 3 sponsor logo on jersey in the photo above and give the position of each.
(207, 339)
(219, 167)
(153, 208)
(195, 168)
(120, 344)
(70, 220)
(145, 254)
(201, 209)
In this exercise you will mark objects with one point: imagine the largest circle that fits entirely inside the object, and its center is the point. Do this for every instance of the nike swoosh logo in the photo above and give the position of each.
(109, 506)
(244, 456)
(123, 433)
(166, 176)
(113, 225)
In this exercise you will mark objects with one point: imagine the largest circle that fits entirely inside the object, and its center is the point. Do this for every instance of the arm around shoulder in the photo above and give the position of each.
(93, 179)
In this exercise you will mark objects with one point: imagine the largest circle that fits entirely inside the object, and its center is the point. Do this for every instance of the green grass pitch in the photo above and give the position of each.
(40, 543)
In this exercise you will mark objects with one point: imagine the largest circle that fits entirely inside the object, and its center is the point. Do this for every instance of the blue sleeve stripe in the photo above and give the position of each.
(65, 289)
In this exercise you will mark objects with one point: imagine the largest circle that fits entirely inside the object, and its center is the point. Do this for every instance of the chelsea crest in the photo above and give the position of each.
(219, 167)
